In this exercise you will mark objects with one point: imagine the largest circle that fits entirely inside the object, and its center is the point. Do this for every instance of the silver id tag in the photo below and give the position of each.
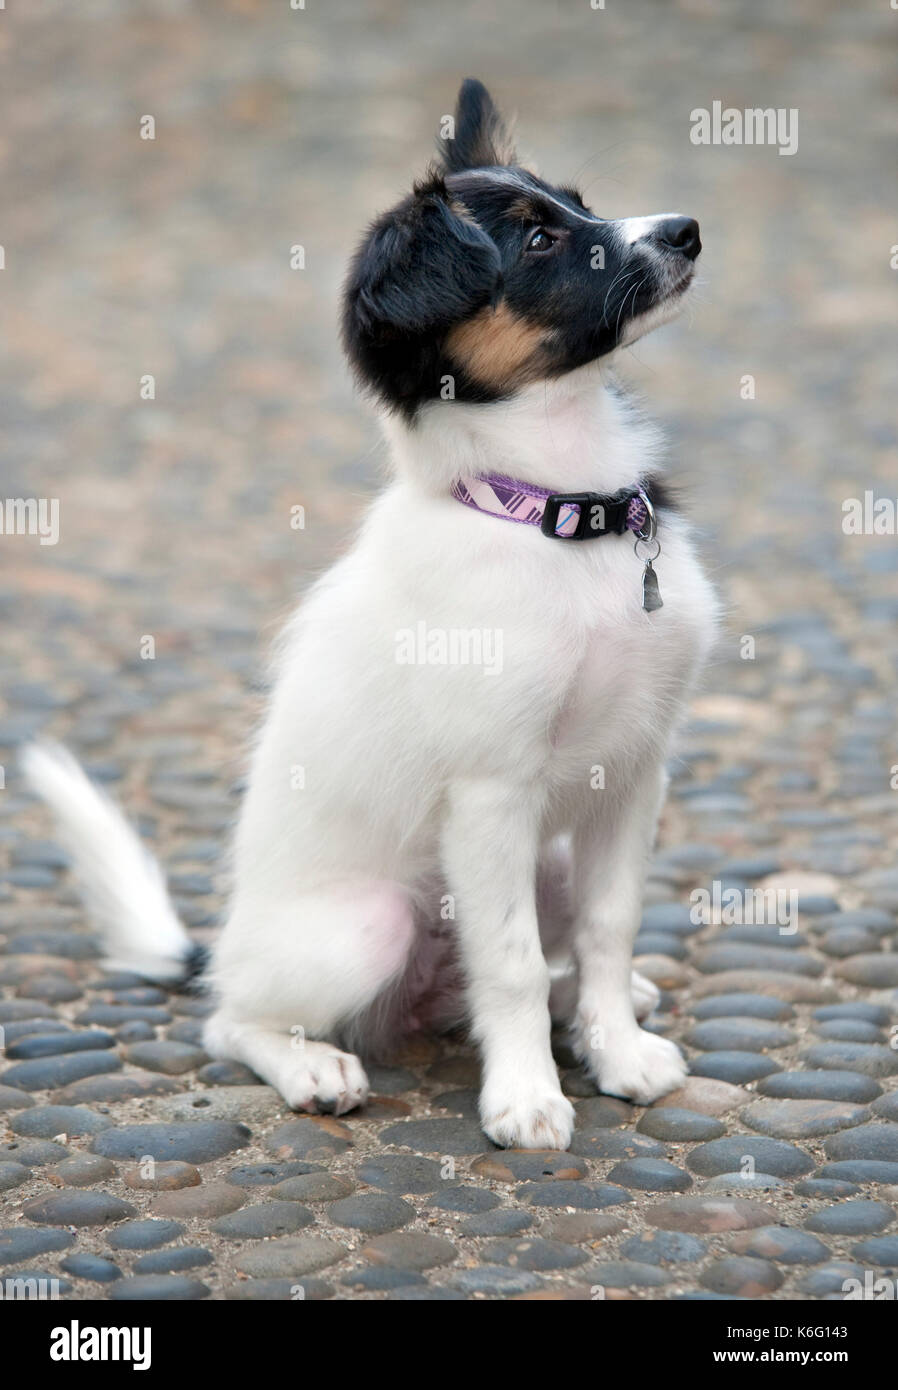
(651, 594)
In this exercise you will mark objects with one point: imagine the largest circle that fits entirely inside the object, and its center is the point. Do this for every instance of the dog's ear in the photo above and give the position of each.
(421, 269)
(481, 139)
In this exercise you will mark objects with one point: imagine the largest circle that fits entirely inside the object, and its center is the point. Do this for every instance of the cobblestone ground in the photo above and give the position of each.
(774, 1172)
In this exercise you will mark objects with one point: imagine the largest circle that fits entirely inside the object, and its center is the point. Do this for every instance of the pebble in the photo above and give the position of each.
(34, 1153)
(313, 1187)
(272, 1218)
(173, 1261)
(625, 1274)
(709, 1215)
(86, 1266)
(505, 1221)
(495, 1279)
(141, 1288)
(18, 1243)
(409, 1250)
(825, 1187)
(582, 1196)
(114, 1015)
(465, 1199)
(135, 1031)
(399, 1173)
(13, 1175)
(878, 1250)
(773, 1156)
(851, 1218)
(171, 1058)
(162, 1177)
(878, 1142)
(650, 1175)
(820, 1085)
(288, 1256)
(44, 1073)
(861, 1171)
(717, 959)
(374, 1212)
(209, 1200)
(198, 1141)
(534, 1253)
(743, 1006)
(438, 1136)
(781, 1243)
(49, 1121)
(829, 1278)
(605, 1143)
(575, 1226)
(82, 1170)
(145, 1234)
(705, 1095)
(114, 1088)
(310, 1139)
(663, 1247)
(735, 1067)
(742, 1182)
(802, 1119)
(55, 1044)
(227, 1074)
(742, 1276)
(876, 969)
(738, 1035)
(279, 1290)
(266, 1174)
(11, 1098)
(380, 1278)
(603, 1112)
(679, 1126)
(870, 1059)
(887, 1106)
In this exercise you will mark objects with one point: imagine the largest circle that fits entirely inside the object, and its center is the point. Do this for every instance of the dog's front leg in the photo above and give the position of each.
(611, 850)
(490, 852)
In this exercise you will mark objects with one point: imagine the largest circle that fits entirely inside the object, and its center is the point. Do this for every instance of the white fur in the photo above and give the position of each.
(385, 798)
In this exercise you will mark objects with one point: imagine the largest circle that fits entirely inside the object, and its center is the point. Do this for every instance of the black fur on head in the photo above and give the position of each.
(486, 278)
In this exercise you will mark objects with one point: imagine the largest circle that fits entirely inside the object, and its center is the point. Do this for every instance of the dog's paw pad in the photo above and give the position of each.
(326, 1082)
(538, 1122)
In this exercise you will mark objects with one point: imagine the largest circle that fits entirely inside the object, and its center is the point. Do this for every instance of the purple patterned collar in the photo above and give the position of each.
(574, 516)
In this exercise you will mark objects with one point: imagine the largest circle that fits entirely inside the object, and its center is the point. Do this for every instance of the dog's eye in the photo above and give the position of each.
(540, 240)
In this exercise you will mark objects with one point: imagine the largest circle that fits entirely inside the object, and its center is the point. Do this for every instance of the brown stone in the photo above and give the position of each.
(584, 1227)
(710, 1214)
(793, 989)
(210, 1199)
(167, 1176)
(705, 1095)
(663, 971)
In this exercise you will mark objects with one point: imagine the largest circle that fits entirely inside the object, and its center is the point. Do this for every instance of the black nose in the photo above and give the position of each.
(679, 234)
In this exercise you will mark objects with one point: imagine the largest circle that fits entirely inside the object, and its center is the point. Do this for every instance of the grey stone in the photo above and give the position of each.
(13, 1175)
(820, 1085)
(861, 1170)
(743, 1276)
(44, 1073)
(306, 1139)
(742, 1006)
(878, 1142)
(288, 1257)
(140, 1288)
(267, 1174)
(680, 1126)
(436, 1136)
(663, 1247)
(48, 1121)
(735, 1067)
(19, 1243)
(625, 1274)
(870, 1059)
(77, 1208)
(402, 1173)
(738, 1035)
(173, 1261)
(145, 1234)
(582, 1196)
(276, 1218)
(86, 1266)
(773, 1156)
(878, 1250)
(371, 1211)
(802, 1119)
(504, 1221)
(782, 1244)
(171, 1058)
(495, 1279)
(534, 1253)
(55, 1044)
(851, 1219)
(197, 1141)
(650, 1175)
(468, 1200)
(830, 1278)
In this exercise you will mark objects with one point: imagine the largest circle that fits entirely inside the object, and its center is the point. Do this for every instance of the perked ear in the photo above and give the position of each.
(421, 268)
(481, 139)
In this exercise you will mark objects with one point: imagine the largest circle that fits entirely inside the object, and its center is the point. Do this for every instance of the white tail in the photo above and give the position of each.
(123, 887)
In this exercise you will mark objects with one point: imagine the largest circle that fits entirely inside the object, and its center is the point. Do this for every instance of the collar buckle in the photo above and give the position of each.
(595, 515)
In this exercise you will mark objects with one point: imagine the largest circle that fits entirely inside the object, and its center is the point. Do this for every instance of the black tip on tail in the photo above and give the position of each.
(195, 965)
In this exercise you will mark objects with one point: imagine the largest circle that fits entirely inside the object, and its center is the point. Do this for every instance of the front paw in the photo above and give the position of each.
(538, 1119)
(640, 1067)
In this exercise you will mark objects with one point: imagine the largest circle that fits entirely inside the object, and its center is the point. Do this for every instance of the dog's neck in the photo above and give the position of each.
(573, 434)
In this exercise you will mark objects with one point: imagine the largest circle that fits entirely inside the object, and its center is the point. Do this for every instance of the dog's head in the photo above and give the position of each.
(487, 278)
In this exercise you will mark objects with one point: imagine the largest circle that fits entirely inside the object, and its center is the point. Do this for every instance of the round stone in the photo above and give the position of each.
(460, 1198)
(709, 1215)
(174, 1288)
(171, 1058)
(309, 1290)
(829, 1188)
(264, 1219)
(851, 1218)
(495, 1279)
(860, 1009)
(603, 1112)
(409, 1250)
(83, 1170)
(13, 1175)
(680, 1126)
(767, 1155)
(93, 1267)
(878, 1250)
(77, 1209)
(832, 1278)
(735, 1067)
(505, 1221)
(374, 1212)
(288, 1257)
(450, 1136)
(50, 1121)
(742, 1182)
(401, 1173)
(887, 1106)
(802, 1119)
(582, 1196)
(872, 1059)
(44, 1073)
(34, 1153)
(738, 1035)
(195, 1141)
(19, 1243)
(625, 1274)
(173, 1261)
(743, 1006)
(820, 1085)
(310, 1139)
(380, 1278)
(55, 1044)
(704, 1095)
(11, 1098)
(267, 1174)
(534, 1253)
(145, 1235)
(101, 1089)
(875, 969)
(878, 1142)
(861, 1170)
(650, 1175)
(742, 1276)
(606, 1143)
(781, 1243)
(663, 1247)
(162, 1177)
(227, 1074)
(209, 1200)
(313, 1187)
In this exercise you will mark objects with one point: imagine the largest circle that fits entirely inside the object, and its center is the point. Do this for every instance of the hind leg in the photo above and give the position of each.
(290, 979)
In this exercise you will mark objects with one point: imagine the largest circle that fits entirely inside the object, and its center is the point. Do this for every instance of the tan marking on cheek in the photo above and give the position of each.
(497, 348)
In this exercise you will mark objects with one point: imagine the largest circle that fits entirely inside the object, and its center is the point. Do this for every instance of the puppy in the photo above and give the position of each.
(454, 794)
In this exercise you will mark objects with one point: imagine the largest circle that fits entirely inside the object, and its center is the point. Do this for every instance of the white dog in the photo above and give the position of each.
(463, 759)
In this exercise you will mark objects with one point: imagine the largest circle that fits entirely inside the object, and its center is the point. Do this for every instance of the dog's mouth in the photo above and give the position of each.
(679, 285)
